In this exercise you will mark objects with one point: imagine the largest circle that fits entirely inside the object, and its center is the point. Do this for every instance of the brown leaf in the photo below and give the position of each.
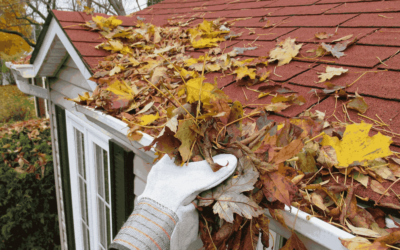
(322, 35)
(228, 195)
(358, 104)
(327, 156)
(263, 222)
(294, 243)
(187, 137)
(277, 187)
(288, 151)
(378, 188)
(166, 143)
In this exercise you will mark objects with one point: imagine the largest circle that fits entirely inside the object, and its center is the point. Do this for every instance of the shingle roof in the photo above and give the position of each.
(375, 23)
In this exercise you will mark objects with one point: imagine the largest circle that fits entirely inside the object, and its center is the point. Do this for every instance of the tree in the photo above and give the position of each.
(16, 31)
(151, 2)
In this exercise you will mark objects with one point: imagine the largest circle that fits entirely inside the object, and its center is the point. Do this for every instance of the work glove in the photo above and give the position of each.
(168, 188)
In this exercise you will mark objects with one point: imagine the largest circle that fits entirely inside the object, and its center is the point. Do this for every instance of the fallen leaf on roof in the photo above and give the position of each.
(343, 38)
(245, 71)
(378, 188)
(331, 72)
(363, 231)
(285, 51)
(336, 50)
(322, 35)
(294, 243)
(357, 146)
(356, 243)
(148, 119)
(363, 179)
(193, 87)
(358, 103)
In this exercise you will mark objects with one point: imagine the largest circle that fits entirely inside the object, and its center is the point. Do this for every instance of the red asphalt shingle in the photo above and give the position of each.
(384, 20)
(392, 63)
(307, 35)
(304, 10)
(366, 7)
(378, 83)
(264, 34)
(285, 3)
(317, 21)
(383, 37)
(374, 23)
(356, 55)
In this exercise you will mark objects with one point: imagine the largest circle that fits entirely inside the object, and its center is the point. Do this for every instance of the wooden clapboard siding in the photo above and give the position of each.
(58, 98)
(73, 76)
(70, 63)
(67, 89)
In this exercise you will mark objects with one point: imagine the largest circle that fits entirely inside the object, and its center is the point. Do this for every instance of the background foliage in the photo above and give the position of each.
(15, 105)
(28, 207)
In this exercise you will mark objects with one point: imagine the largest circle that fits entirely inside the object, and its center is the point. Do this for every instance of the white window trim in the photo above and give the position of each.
(91, 136)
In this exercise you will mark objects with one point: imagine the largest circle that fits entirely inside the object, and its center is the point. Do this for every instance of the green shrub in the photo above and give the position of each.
(28, 206)
(15, 105)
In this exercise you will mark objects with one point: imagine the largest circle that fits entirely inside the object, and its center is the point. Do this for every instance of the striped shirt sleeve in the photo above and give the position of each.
(149, 227)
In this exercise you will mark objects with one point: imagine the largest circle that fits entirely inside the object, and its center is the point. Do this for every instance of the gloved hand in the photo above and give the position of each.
(187, 229)
(172, 185)
(169, 188)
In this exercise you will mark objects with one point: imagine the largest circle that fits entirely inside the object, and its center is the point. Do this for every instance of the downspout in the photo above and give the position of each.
(22, 74)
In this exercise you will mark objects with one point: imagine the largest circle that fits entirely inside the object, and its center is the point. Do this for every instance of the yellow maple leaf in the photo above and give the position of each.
(108, 23)
(285, 51)
(244, 71)
(147, 119)
(193, 87)
(88, 10)
(121, 89)
(357, 146)
(331, 72)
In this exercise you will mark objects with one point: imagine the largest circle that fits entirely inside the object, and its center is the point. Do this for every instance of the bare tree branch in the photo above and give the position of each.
(118, 7)
(104, 7)
(137, 1)
(36, 10)
(19, 34)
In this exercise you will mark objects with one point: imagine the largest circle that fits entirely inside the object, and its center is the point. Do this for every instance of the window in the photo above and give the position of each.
(90, 184)
(103, 196)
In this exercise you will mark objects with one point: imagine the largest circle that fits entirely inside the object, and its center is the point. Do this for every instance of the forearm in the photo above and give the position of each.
(149, 227)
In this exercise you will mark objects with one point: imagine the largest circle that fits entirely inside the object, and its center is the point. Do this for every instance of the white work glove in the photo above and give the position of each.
(173, 186)
(187, 229)
(164, 217)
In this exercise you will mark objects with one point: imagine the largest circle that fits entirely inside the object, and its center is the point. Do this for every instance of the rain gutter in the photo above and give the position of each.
(23, 73)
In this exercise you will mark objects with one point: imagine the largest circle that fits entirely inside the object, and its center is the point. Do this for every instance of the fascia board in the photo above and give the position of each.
(54, 30)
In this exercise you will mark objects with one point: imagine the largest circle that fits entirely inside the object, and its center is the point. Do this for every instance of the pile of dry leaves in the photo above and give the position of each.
(150, 82)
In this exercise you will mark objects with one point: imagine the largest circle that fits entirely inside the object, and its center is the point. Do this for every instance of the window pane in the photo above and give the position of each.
(83, 199)
(86, 237)
(80, 152)
(105, 165)
(102, 218)
(99, 170)
(108, 226)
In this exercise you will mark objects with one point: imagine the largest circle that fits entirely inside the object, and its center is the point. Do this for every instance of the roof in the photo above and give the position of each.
(373, 62)
(373, 23)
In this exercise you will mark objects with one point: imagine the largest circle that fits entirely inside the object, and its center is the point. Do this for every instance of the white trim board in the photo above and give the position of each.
(54, 31)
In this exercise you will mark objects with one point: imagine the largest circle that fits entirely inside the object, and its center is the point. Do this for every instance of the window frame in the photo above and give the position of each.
(91, 136)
